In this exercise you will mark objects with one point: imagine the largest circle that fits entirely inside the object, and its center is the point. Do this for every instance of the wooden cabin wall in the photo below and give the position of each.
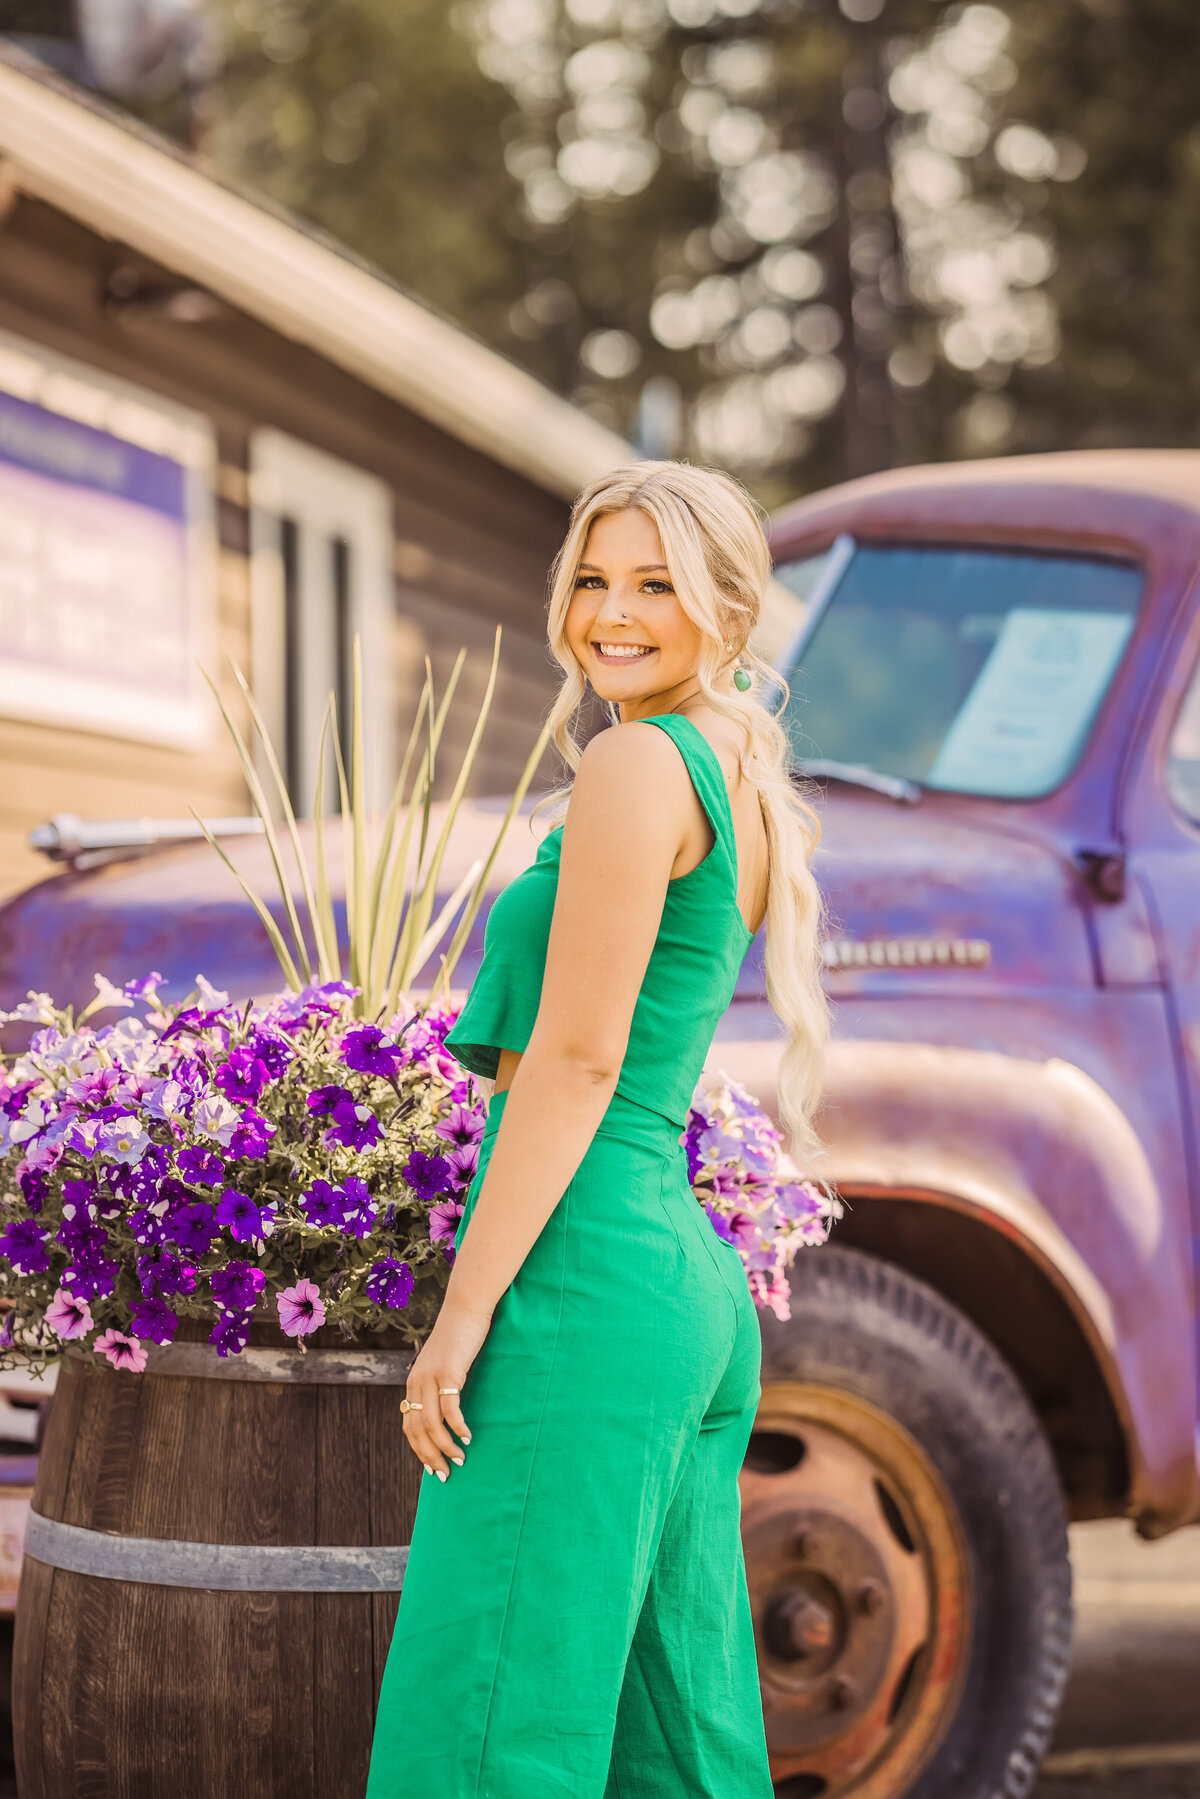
(46, 769)
(473, 539)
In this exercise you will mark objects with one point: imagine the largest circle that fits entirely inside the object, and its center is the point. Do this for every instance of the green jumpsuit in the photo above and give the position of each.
(575, 1622)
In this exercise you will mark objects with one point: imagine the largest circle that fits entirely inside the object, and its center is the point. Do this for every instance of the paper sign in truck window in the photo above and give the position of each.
(1023, 722)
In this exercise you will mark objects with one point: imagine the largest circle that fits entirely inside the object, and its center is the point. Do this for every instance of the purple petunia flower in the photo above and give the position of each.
(243, 1077)
(272, 1049)
(81, 1135)
(428, 1176)
(462, 1164)
(192, 1228)
(92, 1279)
(322, 1205)
(230, 1334)
(720, 1223)
(358, 1213)
(355, 1127)
(167, 1100)
(250, 1138)
(327, 1099)
(150, 1225)
(165, 1275)
(12, 1099)
(78, 1193)
(24, 1243)
(121, 1350)
(203, 1167)
(319, 1001)
(215, 1117)
(301, 1309)
(461, 1125)
(82, 1236)
(390, 1283)
(369, 1051)
(122, 1140)
(94, 1088)
(245, 1221)
(236, 1287)
(152, 1320)
(143, 1180)
(33, 1183)
(144, 987)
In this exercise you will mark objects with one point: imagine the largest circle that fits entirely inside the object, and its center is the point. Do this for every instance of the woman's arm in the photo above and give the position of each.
(632, 806)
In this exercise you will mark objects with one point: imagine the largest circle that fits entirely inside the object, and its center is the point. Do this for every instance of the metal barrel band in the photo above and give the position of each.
(215, 1567)
(313, 1367)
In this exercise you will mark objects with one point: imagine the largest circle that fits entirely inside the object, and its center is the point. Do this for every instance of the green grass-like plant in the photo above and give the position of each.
(392, 864)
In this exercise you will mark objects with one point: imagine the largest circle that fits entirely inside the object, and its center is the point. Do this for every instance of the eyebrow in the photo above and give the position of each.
(645, 568)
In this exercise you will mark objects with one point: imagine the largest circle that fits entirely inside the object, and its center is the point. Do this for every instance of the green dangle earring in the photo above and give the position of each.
(741, 680)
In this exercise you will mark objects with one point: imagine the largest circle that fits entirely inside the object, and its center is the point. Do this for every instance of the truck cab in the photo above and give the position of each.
(993, 696)
(996, 685)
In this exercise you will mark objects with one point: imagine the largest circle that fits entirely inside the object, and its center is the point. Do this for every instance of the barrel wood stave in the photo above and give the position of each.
(127, 1690)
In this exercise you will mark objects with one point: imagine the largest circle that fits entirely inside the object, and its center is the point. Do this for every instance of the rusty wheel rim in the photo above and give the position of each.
(859, 1585)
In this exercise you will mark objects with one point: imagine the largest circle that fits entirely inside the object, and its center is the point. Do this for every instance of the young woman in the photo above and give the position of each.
(575, 1622)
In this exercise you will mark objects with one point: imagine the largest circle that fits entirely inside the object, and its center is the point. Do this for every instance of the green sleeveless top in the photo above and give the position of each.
(689, 981)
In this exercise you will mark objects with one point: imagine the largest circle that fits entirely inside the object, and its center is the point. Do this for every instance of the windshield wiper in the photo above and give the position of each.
(857, 774)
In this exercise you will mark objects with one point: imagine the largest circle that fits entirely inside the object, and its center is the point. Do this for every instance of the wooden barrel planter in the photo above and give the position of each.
(212, 1572)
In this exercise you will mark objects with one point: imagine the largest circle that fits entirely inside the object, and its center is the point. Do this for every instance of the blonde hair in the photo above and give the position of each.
(720, 564)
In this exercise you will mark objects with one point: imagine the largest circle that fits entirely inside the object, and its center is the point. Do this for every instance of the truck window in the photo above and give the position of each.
(1183, 757)
(973, 670)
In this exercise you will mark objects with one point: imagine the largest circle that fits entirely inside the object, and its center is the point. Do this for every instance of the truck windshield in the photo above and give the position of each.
(978, 671)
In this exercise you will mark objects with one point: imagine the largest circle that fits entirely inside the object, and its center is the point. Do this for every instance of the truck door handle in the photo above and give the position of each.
(1103, 873)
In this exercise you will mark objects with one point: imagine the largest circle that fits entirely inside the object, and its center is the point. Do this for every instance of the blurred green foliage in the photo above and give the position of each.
(803, 238)
(1123, 76)
(372, 119)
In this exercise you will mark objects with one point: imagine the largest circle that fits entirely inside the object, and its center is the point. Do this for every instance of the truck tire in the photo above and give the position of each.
(906, 1547)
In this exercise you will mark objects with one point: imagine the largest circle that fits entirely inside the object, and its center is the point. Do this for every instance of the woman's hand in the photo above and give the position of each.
(444, 1360)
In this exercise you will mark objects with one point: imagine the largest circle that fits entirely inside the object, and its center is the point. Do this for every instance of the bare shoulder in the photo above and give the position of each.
(631, 755)
(635, 773)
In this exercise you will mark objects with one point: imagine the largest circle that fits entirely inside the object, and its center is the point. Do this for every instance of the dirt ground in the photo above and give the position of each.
(1130, 1724)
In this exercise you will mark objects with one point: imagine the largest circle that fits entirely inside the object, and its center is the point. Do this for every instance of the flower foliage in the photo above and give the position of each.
(281, 1161)
(755, 1196)
(214, 1162)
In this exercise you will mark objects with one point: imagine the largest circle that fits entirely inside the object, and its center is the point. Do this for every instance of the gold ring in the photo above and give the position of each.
(449, 1389)
(408, 1405)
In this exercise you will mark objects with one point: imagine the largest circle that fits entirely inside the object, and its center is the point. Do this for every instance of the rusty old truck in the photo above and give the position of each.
(995, 686)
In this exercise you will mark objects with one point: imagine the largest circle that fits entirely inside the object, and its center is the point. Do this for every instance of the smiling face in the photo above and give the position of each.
(625, 624)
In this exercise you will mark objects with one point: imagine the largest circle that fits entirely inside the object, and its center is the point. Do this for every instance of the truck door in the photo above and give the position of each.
(1163, 829)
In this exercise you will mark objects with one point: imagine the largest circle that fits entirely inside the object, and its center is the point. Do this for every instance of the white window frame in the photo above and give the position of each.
(294, 589)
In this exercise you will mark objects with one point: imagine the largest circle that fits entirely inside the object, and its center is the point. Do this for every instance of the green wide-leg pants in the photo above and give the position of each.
(575, 1622)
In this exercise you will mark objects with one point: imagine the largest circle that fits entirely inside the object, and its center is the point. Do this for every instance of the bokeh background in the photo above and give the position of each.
(802, 238)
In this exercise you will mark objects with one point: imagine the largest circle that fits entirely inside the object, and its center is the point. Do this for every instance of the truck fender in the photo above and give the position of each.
(1043, 1154)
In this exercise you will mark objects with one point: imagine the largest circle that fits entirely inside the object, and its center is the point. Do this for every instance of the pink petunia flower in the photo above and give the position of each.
(301, 1309)
(68, 1315)
(443, 1220)
(122, 1351)
(744, 1228)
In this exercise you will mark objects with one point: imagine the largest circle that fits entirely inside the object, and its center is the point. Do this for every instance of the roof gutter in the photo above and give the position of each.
(62, 147)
